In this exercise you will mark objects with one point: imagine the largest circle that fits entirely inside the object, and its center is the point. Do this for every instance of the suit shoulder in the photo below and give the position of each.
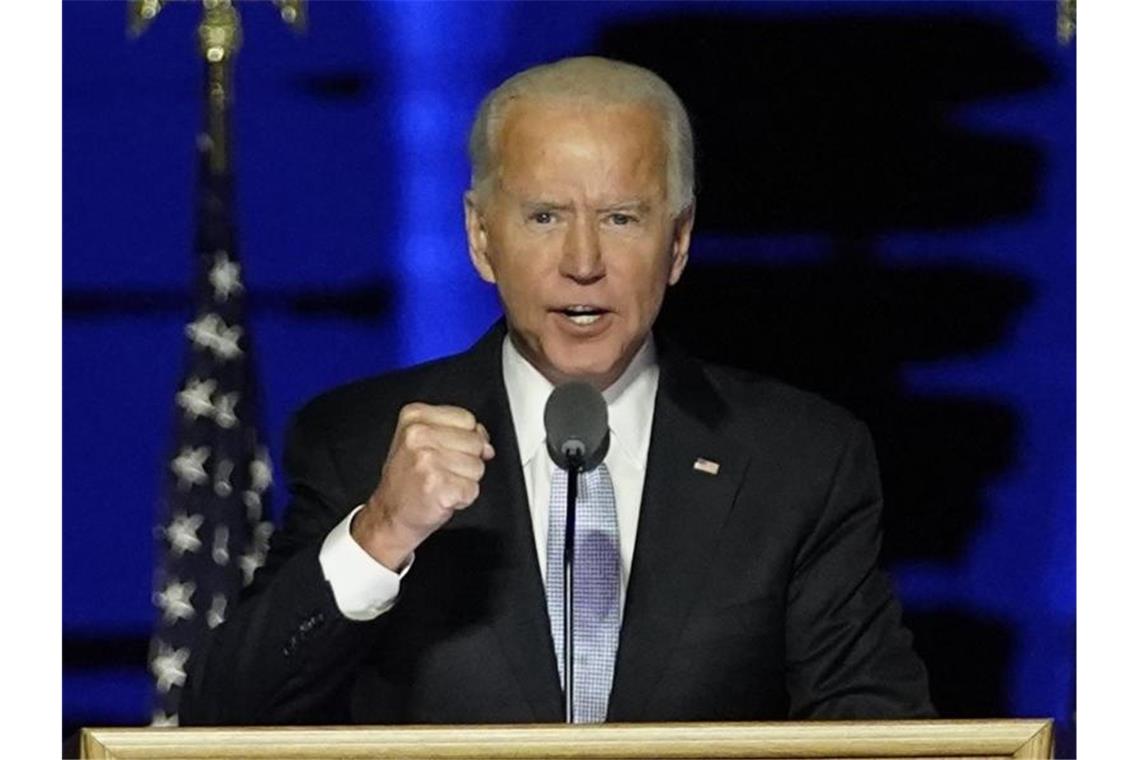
(761, 402)
(360, 403)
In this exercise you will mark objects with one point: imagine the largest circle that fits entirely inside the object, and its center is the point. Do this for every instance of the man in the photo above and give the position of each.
(417, 576)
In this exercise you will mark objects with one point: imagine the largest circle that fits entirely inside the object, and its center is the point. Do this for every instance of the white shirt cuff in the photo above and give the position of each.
(363, 588)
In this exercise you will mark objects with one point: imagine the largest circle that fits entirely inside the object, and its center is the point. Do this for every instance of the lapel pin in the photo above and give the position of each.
(706, 466)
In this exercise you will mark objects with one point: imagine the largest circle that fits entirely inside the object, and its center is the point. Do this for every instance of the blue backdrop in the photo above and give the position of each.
(886, 216)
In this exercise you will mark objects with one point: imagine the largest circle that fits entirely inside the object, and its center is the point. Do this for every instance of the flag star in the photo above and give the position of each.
(225, 277)
(224, 409)
(175, 601)
(211, 332)
(217, 614)
(261, 534)
(189, 466)
(195, 397)
(159, 719)
(221, 552)
(261, 471)
(168, 666)
(252, 501)
(226, 342)
(249, 564)
(183, 533)
(204, 330)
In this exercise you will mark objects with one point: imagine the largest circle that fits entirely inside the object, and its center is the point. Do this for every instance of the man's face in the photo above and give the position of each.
(577, 233)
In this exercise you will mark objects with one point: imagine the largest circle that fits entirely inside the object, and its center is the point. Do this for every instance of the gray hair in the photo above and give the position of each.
(589, 78)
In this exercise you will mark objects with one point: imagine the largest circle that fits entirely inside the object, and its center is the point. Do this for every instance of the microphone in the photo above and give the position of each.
(577, 426)
(577, 438)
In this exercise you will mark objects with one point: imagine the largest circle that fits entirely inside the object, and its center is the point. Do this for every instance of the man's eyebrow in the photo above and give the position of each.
(546, 206)
(637, 206)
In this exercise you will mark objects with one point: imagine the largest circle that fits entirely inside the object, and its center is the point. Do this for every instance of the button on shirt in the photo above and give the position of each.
(364, 588)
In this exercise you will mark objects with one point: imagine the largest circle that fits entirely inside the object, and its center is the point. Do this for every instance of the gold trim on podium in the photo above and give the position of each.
(1029, 738)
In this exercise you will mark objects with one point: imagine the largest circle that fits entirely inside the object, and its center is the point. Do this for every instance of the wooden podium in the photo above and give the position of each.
(831, 739)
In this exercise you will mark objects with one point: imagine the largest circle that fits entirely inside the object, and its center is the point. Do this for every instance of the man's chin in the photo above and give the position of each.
(600, 372)
(597, 362)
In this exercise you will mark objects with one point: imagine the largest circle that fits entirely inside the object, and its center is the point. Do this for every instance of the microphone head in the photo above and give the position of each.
(577, 426)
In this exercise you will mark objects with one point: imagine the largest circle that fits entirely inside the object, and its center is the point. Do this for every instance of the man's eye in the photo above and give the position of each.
(622, 219)
(542, 217)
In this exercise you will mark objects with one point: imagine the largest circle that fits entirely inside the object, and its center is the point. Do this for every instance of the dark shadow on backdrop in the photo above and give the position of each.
(364, 302)
(844, 129)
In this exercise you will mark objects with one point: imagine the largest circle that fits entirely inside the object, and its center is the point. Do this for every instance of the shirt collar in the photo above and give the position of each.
(629, 401)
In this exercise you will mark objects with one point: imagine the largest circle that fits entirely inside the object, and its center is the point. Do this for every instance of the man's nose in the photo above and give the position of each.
(582, 253)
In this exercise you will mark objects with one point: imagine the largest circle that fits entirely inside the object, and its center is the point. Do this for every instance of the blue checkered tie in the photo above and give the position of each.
(597, 579)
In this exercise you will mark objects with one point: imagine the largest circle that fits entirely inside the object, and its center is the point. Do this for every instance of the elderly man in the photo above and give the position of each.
(417, 575)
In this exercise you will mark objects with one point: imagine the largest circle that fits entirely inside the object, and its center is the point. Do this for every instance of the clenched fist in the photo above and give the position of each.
(434, 466)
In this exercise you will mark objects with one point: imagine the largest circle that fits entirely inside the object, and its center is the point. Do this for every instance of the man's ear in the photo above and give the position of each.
(682, 235)
(477, 242)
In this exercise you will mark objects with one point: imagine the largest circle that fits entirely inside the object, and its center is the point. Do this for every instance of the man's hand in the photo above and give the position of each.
(434, 466)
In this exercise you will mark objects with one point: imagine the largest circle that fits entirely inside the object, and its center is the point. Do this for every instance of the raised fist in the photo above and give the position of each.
(434, 465)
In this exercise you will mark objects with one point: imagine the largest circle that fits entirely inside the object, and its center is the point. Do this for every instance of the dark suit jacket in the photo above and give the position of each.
(754, 593)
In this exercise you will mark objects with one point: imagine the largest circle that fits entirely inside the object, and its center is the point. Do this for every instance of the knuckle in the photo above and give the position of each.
(412, 411)
(415, 434)
(457, 416)
(422, 460)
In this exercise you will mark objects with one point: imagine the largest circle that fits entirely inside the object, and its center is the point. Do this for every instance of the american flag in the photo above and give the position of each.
(211, 534)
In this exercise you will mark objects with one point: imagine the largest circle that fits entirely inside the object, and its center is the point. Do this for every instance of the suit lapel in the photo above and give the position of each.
(682, 511)
(521, 622)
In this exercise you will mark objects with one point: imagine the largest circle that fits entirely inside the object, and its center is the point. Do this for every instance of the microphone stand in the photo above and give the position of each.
(568, 587)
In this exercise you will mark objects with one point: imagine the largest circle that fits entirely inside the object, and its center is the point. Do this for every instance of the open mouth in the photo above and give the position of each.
(583, 315)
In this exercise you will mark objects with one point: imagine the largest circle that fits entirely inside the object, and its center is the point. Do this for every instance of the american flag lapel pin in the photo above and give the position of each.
(706, 466)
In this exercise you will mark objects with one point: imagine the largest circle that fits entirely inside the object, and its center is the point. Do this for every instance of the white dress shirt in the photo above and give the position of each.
(365, 589)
